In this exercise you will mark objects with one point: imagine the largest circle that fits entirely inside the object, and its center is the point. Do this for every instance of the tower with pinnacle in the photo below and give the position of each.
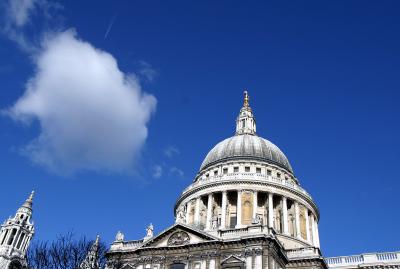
(92, 258)
(15, 235)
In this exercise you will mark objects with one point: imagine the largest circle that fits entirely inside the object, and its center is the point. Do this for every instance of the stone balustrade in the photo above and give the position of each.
(250, 230)
(126, 245)
(10, 250)
(309, 252)
(363, 260)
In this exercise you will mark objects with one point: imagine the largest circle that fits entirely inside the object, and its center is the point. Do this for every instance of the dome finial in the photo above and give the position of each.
(245, 122)
(246, 99)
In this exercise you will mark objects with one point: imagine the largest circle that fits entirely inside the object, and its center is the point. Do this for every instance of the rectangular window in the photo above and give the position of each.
(225, 171)
(269, 172)
(235, 169)
(207, 175)
(278, 175)
(258, 170)
(215, 173)
(247, 168)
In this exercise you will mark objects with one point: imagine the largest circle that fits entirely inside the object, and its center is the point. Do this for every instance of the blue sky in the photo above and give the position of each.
(324, 85)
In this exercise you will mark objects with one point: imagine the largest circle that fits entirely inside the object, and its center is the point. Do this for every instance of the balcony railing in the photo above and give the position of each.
(247, 176)
(365, 259)
(126, 245)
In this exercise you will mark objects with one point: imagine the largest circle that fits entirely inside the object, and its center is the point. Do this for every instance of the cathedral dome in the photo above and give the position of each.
(246, 146)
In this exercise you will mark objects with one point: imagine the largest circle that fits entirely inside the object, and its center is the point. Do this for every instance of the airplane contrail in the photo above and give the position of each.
(110, 26)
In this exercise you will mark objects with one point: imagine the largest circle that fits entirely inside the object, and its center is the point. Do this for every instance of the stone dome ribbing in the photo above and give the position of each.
(246, 146)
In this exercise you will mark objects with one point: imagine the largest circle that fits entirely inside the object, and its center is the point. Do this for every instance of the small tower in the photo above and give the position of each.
(92, 258)
(15, 235)
(245, 122)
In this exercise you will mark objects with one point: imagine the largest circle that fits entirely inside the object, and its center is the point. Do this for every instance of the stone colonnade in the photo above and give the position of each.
(240, 208)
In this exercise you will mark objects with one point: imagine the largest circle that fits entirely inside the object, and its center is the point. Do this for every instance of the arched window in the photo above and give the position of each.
(15, 265)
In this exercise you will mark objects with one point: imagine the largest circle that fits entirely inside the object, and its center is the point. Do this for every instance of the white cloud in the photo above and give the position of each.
(171, 151)
(17, 17)
(18, 11)
(147, 71)
(92, 116)
(177, 171)
(157, 171)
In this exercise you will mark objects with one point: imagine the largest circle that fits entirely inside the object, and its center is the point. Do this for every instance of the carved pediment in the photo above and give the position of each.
(178, 234)
(232, 259)
(128, 266)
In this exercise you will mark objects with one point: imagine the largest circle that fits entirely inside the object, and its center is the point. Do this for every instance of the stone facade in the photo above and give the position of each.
(244, 209)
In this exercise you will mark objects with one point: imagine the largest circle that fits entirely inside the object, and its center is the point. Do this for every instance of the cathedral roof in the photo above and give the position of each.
(246, 144)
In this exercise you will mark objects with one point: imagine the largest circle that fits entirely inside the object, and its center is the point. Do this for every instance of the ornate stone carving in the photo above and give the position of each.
(178, 238)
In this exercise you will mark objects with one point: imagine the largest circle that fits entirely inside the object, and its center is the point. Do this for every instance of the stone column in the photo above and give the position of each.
(307, 226)
(212, 264)
(249, 261)
(223, 211)
(26, 242)
(296, 209)
(285, 215)
(270, 210)
(255, 203)
(187, 212)
(197, 211)
(316, 233)
(209, 211)
(314, 242)
(258, 259)
(239, 209)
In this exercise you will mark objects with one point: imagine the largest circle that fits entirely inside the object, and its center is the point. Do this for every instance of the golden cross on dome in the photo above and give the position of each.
(246, 99)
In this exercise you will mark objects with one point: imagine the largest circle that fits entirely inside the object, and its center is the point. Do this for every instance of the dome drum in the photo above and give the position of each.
(241, 205)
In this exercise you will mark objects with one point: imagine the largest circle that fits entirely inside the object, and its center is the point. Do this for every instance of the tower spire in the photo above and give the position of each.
(245, 122)
(91, 260)
(27, 205)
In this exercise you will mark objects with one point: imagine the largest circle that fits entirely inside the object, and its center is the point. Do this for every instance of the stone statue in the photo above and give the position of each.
(150, 231)
(214, 223)
(119, 237)
(180, 216)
